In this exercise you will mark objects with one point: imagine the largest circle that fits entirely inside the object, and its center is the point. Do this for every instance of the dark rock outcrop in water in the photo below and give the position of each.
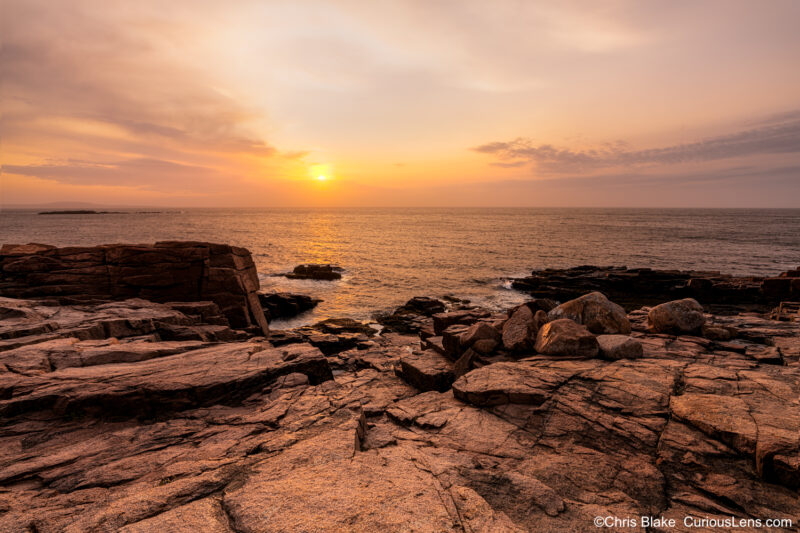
(313, 271)
(160, 272)
(279, 305)
(109, 427)
(635, 287)
(411, 316)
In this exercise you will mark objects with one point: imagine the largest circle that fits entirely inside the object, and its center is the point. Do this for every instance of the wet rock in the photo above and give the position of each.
(596, 312)
(413, 316)
(678, 317)
(427, 371)
(280, 305)
(615, 347)
(316, 271)
(423, 305)
(565, 337)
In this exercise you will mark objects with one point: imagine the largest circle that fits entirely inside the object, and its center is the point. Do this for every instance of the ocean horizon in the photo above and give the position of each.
(392, 254)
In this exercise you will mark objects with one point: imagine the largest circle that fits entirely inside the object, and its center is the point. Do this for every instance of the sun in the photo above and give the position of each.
(320, 172)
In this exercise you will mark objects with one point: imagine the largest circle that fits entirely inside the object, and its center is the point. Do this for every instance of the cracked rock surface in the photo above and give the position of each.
(108, 427)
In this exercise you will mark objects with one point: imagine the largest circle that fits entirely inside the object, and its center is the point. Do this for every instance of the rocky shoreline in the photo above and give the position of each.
(141, 389)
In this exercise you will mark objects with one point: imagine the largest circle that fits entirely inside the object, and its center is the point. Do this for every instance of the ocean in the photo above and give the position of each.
(390, 255)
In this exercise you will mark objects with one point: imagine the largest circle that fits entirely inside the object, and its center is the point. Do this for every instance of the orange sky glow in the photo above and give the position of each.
(413, 103)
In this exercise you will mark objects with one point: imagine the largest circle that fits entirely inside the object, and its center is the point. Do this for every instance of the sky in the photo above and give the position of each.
(202, 103)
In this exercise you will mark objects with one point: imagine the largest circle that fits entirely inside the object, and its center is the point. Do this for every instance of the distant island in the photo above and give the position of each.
(91, 212)
(78, 212)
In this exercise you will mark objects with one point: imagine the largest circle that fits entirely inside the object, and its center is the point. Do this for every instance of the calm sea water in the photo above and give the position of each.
(391, 255)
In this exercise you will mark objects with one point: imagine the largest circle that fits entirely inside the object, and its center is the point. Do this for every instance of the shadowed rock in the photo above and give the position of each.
(519, 331)
(427, 371)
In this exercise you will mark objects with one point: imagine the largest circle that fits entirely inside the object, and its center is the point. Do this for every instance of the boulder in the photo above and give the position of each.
(615, 347)
(315, 271)
(426, 371)
(480, 331)
(519, 331)
(566, 337)
(677, 317)
(596, 312)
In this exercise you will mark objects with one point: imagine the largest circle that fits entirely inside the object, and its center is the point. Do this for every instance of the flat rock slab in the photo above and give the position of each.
(70, 352)
(521, 382)
(427, 371)
(220, 374)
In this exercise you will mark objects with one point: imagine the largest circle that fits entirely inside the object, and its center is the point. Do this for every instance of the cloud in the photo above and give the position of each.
(119, 90)
(135, 173)
(778, 135)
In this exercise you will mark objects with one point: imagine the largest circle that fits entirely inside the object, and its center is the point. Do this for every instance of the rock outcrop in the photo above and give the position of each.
(160, 272)
(413, 316)
(109, 427)
(278, 305)
(636, 287)
(314, 271)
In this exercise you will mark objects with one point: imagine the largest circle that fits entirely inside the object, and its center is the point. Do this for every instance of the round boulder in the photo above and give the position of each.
(677, 316)
(599, 314)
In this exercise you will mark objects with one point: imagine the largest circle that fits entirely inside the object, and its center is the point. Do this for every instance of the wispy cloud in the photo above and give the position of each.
(778, 135)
